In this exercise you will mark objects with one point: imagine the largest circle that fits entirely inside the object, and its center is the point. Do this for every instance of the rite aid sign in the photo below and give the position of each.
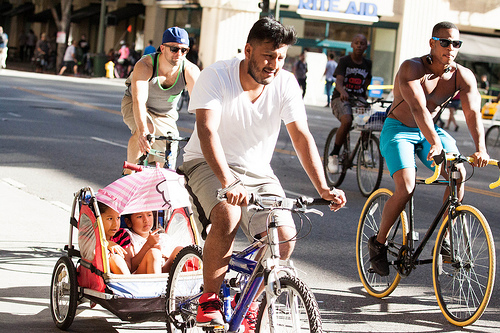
(342, 10)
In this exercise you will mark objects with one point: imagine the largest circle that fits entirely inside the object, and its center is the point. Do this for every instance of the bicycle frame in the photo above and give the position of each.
(448, 207)
(254, 273)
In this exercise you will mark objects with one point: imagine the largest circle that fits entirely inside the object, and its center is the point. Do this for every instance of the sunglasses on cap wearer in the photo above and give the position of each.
(446, 42)
(175, 49)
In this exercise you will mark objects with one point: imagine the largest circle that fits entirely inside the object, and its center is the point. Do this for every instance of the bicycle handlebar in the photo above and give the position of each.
(439, 159)
(168, 137)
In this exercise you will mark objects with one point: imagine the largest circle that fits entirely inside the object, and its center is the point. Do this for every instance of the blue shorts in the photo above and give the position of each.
(399, 144)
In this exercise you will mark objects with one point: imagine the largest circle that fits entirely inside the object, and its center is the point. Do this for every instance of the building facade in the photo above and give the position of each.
(396, 29)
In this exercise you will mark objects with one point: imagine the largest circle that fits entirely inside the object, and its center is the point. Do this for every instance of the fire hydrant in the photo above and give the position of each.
(110, 69)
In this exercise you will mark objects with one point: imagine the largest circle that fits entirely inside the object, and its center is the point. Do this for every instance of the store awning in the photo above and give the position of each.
(45, 15)
(128, 11)
(85, 12)
(19, 9)
(480, 49)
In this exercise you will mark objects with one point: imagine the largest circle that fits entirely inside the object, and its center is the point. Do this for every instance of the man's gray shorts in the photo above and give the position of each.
(340, 108)
(202, 185)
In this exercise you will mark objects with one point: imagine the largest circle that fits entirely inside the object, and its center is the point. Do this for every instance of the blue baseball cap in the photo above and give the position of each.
(175, 35)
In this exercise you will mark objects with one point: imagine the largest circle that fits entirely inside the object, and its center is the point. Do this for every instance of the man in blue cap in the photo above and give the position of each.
(153, 89)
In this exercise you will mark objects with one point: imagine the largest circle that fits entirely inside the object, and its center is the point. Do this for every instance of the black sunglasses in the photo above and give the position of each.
(175, 49)
(446, 42)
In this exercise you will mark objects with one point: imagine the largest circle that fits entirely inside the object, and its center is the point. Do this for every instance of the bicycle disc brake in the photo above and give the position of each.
(405, 266)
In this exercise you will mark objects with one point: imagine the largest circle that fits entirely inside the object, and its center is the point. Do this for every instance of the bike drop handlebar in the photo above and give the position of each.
(439, 159)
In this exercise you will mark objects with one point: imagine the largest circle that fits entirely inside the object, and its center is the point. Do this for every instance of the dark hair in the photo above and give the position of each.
(102, 207)
(331, 56)
(443, 25)
(269, 30)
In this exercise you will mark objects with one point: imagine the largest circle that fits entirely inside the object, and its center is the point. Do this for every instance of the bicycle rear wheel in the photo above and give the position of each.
(370, 165)
(463, 283)
(493, 141)
(335, 179)
(185, 285)
(369, 222)
(296, 309)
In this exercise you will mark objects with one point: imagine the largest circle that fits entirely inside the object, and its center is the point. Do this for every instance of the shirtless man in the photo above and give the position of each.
(422, 87)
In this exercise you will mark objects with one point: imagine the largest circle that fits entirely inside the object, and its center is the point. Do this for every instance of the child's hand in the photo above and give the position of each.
(116, 249)
(154, 239)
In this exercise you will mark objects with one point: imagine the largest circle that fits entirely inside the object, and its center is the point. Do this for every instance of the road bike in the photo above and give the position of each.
(287, 304)
(365, 156)
(463, 257)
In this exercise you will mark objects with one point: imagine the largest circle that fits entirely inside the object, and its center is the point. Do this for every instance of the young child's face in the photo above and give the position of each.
(141, 223)
(111, 222)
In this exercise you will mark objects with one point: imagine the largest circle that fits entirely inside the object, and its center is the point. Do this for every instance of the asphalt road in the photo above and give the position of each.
(58, 134)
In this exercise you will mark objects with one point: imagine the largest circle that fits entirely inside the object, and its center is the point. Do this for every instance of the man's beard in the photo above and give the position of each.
(252, 71)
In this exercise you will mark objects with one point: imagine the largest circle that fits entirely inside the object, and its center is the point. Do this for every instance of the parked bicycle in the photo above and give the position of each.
(287, 305)
(369, 163)
(463, 257)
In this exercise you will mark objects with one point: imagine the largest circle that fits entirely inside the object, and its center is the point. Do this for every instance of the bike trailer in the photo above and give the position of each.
(134, 297)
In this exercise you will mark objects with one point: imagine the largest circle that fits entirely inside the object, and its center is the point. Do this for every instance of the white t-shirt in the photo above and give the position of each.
(68, 55)
(248, 131)
(166, 243)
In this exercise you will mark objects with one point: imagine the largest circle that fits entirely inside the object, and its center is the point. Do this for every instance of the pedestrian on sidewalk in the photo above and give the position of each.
(3, 48)
(69, 59)
(331, 65)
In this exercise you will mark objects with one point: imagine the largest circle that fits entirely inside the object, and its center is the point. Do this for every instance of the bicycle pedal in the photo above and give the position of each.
(216, 329)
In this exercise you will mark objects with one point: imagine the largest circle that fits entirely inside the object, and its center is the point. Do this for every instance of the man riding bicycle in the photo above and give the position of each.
(353, 75)
(239, 106)
(422, 88)
(153, 89)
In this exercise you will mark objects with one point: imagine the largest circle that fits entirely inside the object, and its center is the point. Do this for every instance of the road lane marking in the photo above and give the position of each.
(13, 182)
(108, 142)
(61, 205)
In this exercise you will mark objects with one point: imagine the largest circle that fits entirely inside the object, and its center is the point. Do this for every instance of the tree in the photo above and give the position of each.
(62, 26)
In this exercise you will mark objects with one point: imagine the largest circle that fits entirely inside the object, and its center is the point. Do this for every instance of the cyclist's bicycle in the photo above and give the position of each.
(369, 163)
(463, 257)
(288, 305)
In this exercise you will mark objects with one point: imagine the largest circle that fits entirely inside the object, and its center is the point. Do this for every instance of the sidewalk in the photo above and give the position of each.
(24, 69)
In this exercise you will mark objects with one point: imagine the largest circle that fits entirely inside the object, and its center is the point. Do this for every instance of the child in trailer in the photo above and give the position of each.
(118, 239)
(152, 251)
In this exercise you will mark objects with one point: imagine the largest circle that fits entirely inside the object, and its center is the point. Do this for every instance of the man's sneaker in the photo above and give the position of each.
(445, 251)
(250, 320)
(367, 157)
(378, 256)
(333, 163)
(209, 311)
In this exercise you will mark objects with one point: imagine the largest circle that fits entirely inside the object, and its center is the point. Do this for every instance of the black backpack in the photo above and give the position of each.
(1, 38)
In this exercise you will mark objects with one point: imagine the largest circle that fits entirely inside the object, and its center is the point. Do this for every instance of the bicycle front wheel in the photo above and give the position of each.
(493, 141)
(370, 164)
(463, 282)
(369, 222)
(335, 178)
(185, 285)
(295, 309)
